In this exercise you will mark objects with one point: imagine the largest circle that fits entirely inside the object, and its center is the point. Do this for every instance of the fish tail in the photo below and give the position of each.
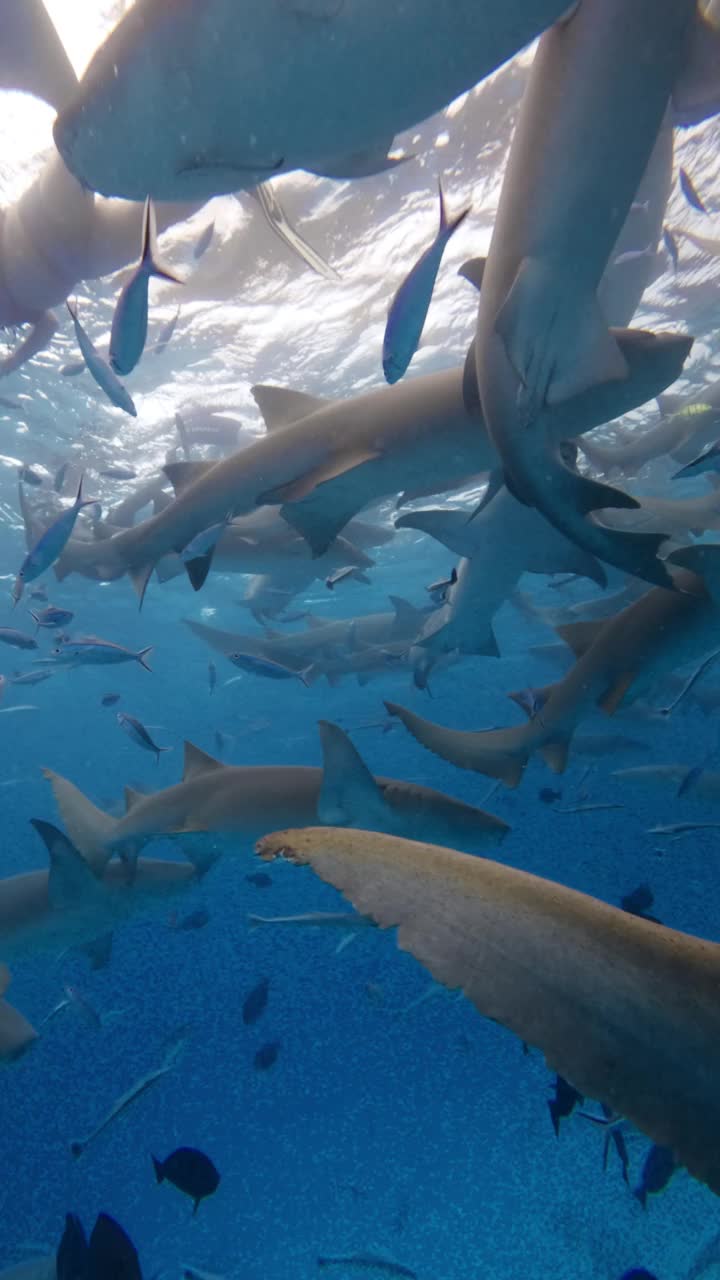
(152, 264)
(141, 659)
(89, 828)
(448, 226)
(158, 1167)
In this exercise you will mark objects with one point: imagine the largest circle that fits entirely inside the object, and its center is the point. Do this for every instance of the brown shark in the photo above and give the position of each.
(16, 1033)
(626, 1010)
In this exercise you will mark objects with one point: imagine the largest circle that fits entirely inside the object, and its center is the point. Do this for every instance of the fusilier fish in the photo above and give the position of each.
(91, 651)
(129, 326)
(136, 730)
(101, 371)
(18, 639)
(50, 545)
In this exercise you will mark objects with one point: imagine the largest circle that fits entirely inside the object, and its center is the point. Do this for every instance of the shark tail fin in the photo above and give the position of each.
(89, 828)
(498, 753)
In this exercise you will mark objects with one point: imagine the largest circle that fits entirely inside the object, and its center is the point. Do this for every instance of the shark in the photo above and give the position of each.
(574, 168)
(485, 577)
(626, 1010)
(237, 802)
(262, 79)
(668, 778)
(617, 659)
(679, 517)
(16, 1033)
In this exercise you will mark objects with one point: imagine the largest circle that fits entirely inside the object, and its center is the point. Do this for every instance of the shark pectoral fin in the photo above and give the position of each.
(579, 636)
(696, 92)
(198, 569)
(473, 270)
(71, 881)
(470, 389)
(182, 474)
(32, 56)
(330, 469)
(558, 349)
(555, 753)
(280, 406)
(591, 495)
(445, 525)
(614, 694)
(196, 761)
(349, 793)
(140, 576)
(322, 516)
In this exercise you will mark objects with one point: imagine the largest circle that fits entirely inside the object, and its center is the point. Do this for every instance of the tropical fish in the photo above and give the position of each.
(267, 1056)
(625, 1011)
(51, 544)
(278, 222)
(659, 1167)
(17, 639)
(409, 307)
(191, 1171)
(51, 617)
(92, 651)
(101, 371)
(255, 1003)
(687, 186)
(129, 327)
(173, 1049)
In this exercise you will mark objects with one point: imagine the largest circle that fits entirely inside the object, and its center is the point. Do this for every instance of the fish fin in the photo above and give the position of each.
(330, 469)
(98, 951)
(541, 693)
(150, 260)
(592, 495)
(197, 761)
(32, 56)
(407, 617)
(555, 754)
(496, 481)
(445, 525)
(349, 792)
(111, 1252)
(71, 880)
(555, 355)
(579, 636)
(449, 225)
(140, 577)
(90, 829)
(280, 406)
(132, 798)
(361, 164)
(473, 270)
(141, 656)
(696, 91)
(470, 388)
(72, 1250)
(198, 569)
(504, 757)
(182, 474)
(158, 1167)
(614, 694)
(319, 521)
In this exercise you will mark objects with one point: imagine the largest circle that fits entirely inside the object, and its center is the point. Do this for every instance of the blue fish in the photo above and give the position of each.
(687, 187)
(99, 368)
(52, 616)
(91, 651)
(50, 545)
(136, 730)
(409, 307)
(129, 326)
(258, 666)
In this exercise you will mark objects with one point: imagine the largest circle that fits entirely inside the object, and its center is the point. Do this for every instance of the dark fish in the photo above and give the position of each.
(212, 676)
(638, 1273)
(254, 1004)
(657, 1171)
(72, 1254)
(17, 639)
(109, 699)
(195, 920)
(111, 1253)
(136, 730)
(639, 902)
(28, 476)
(190, 1171)
(547, 795)
(260, 879)
(687, 187)
(51, 617)
(60, 474)
(267, 1056)
(672, 247)
(370, 1262)
(564, 1103)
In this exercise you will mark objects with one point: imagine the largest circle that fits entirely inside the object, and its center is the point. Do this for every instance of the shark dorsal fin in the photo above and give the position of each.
(280, 407)
(182, 474)
(4, 979)
(132, 797)
(579, 636)
(196, 761)
(349, 794)
(406, 615)
(446, 525)
(71, 881)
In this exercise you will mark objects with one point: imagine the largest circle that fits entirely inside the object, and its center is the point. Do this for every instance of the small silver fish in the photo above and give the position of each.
(30, 677)
(17, 639)
(50, 545)
(91, 651)
(100, 370)
(136, 730)
(267, 667)
(348, 571)
(51, 617)
(129, 326)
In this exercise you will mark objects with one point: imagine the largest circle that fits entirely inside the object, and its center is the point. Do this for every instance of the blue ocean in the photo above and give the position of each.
(273, 560)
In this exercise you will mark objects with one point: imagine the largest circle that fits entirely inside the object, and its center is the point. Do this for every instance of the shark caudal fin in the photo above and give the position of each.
(89, 828)
(498, 753)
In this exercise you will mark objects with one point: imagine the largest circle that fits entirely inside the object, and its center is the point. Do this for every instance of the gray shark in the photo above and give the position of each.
(574, 168)
(624, 1009)
(16, 1033)
(238, 801)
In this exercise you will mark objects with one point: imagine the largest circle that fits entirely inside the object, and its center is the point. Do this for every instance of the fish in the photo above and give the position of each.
(92, 651)
(204, 240)
(627, 1012)
(564, 1103)
(119, 473)
(672, 247)
(659, 1167)
(340, 575)
(37, 593)
(195, 920)
(51, 617)
(368, 1262)
(548, 795)
(708, 460)
(28, 476)
(255, 1003)
(259, 666)
(692, 679)
(129, 325)
(278, 222)
(51, 543)
(136, 730)
(687, 186)
(408, 310)
(173, 1049)
(166, 333)
(267, 1056)
(681, 828)
(110, 699)
(639, 901)
(212, 676)
(541, 336)
(61, 473)
(260, 879)
(18, 639)
(30, 677)
(191, 1171)
(111, 1253)
(100, 370)
(74, 999)
(348, 921)
(239, 128)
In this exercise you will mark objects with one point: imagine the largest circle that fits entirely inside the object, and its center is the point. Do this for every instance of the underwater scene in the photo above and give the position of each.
(359, 640)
